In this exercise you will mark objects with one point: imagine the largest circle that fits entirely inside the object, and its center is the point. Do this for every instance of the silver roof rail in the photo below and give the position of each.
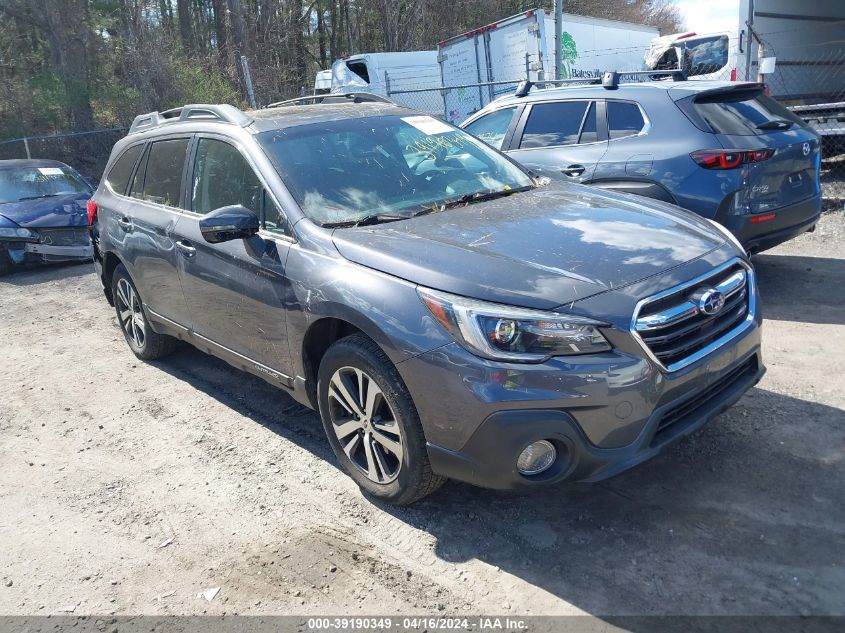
(224, 113)
(333, 97)
(524, 87)
(609, 80)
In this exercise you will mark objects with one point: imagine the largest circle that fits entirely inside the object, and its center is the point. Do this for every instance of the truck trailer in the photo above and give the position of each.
(522, 46)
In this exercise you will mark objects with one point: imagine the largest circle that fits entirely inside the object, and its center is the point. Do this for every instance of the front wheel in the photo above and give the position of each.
(372, 424)
(143, 341)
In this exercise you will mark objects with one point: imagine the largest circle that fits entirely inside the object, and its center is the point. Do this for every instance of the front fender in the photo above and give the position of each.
(385, 308)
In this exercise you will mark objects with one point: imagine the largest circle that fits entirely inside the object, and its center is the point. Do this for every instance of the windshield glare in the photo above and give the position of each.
(24, 183)
(343, 171)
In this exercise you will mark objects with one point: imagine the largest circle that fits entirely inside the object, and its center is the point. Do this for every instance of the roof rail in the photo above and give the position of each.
(610, 79)
(224, 113)
(333, 97)
(524, 87)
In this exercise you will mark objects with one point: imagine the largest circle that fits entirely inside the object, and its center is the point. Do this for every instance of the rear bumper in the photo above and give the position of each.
(788, 222)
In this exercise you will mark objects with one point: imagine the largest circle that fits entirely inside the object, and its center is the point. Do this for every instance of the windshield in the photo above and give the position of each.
(30, 183)
(347, 170)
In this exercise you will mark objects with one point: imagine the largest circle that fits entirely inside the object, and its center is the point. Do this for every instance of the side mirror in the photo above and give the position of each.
(225, 224)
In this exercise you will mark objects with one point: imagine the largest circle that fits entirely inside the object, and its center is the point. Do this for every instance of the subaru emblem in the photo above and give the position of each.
(709, 301)
(806, 149)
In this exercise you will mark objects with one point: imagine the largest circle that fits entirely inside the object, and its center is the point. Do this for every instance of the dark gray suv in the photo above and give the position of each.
(446, 312)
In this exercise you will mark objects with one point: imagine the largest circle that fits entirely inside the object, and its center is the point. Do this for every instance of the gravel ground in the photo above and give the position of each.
(130, 488)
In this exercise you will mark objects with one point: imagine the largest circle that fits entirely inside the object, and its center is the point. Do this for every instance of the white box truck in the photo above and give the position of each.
(384, 73)
(523, 47)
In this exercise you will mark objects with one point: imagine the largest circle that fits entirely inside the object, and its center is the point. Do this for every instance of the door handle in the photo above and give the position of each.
(574, 170)
(185, 248)
(125, 223)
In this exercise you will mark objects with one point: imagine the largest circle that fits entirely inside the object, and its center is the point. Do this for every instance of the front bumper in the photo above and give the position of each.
(50, 245)
(489, 457)
(788, 222)
(604, 413)
(71, 252)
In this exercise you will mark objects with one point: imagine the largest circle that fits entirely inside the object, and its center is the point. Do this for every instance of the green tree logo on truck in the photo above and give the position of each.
(568, 54)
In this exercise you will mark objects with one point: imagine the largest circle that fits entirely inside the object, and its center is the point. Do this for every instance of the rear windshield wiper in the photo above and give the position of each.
(776, 124)
(375, 218)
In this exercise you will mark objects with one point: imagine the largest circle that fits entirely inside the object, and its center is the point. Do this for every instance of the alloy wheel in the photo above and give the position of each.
(365, 424)
(130, 313)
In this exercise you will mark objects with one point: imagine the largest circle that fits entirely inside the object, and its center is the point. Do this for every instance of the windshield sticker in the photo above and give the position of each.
(428, 125)
(51, 171)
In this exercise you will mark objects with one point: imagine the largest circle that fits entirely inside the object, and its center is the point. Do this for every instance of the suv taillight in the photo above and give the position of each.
(92, 212)
(723, 159)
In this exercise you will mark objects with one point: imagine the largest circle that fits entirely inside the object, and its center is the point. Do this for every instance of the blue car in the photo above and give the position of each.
(43, 213)
(723, 150)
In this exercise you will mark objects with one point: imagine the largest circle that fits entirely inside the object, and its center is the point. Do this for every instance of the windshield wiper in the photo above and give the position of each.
(44, 195)
(776, 124)
(375, 218)
(380, 218)
(478, 196)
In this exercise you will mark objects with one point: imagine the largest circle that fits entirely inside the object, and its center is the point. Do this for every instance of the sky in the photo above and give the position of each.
(708, 16)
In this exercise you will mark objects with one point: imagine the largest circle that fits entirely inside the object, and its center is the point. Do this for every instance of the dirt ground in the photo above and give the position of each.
(130, 488)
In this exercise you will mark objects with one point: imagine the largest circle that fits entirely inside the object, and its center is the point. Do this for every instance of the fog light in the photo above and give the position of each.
(536, 458)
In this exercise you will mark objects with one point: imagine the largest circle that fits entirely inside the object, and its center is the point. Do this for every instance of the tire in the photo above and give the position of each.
(400, 474)
(5, 264)
(142, 340)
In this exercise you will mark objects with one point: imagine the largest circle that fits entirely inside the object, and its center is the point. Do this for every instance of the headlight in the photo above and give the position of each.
(503, 332)
(727, 235)
(17, 233)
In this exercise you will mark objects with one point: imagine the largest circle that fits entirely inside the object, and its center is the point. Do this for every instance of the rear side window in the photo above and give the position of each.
(491, 128)
(556, 123)
(624, 119)
(744, 113)
(165, 165)
(707, 55)
(118, 176)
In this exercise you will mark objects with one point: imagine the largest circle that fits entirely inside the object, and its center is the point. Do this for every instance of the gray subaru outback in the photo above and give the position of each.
(449, 314)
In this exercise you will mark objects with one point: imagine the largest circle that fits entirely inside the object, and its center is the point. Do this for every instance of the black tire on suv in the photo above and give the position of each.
(372, 424)
(143, 341)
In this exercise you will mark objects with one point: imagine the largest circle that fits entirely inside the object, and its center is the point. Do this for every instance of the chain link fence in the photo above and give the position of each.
(87, 152)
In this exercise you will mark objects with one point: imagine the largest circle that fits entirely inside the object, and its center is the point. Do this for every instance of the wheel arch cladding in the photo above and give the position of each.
(321, 335)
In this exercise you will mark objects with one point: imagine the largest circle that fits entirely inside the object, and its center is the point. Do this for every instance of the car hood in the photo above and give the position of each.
(58, 212)
(540, 249)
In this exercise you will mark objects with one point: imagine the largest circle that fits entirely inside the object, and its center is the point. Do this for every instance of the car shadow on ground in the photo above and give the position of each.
(37, 274)
(744, 516)
(805, 289)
